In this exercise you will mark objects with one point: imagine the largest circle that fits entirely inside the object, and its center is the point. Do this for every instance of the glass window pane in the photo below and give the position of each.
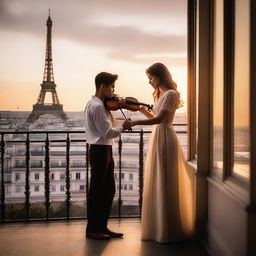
(241, 88)
(197, 75)
(218, 86)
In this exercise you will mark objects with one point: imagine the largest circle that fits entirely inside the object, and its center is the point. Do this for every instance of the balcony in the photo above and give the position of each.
(59, 199)
(67, 204)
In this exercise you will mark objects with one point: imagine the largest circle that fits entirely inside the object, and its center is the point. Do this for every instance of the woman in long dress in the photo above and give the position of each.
(167, 211)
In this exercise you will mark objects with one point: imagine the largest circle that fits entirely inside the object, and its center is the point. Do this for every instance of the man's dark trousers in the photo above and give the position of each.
(102, 187)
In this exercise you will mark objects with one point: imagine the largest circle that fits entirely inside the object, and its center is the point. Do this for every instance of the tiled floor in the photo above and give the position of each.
(68, 238)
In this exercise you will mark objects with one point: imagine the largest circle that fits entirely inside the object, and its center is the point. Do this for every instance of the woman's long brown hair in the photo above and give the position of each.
(161, 71)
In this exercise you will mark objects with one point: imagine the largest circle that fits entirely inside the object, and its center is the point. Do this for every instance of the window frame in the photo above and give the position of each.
(229, 75)
(37, 175)
(17, 176)
(191, 69)
(78, 176)
(36, 188)
(62, 186)
(227, 178)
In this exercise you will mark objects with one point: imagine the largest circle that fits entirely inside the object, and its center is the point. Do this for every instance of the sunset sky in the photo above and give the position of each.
(122, 37)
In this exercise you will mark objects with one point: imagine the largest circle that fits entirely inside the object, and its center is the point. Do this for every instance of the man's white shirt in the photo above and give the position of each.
(98, 127)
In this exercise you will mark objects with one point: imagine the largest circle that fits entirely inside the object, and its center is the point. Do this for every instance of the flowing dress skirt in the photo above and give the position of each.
(167, 209)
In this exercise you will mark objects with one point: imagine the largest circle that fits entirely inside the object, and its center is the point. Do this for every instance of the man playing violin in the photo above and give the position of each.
(99, 134)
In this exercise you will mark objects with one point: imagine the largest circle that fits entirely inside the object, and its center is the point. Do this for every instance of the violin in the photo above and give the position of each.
(129, 103)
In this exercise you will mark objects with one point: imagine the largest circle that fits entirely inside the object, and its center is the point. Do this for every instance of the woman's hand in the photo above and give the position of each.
(128, 124)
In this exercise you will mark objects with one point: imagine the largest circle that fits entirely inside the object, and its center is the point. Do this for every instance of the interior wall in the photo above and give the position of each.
(227, 222)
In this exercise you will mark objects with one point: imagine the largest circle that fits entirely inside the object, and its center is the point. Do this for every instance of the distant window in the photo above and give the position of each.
(125, 186)
(20, 163)
(82, 188)
(78, 176)
(36, 176)
(78, 163)
(116, 176)
(7, 165)
(37, 164)
(17, 176)
(131, 176)
(62, 176)
(122, 176)
(52, 176)
(54, 164)
(62, 188)
(8, 190)
(7, 178)
(36, 188)
(53, 188)
(130, 187)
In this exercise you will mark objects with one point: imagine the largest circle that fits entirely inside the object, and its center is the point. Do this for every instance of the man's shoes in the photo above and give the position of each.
(112, 234)
(98, 236)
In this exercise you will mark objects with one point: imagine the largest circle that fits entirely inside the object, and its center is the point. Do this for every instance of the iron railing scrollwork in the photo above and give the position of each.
(68, 198)
(47, 176)
(2, 178)
(27, 184)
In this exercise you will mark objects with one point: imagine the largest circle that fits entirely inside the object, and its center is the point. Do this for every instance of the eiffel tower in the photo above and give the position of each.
(48, 85)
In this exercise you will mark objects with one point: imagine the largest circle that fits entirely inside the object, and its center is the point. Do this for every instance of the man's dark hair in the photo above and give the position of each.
(105, 78)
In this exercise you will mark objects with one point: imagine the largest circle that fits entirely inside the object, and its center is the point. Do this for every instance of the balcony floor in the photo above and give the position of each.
(68, 238)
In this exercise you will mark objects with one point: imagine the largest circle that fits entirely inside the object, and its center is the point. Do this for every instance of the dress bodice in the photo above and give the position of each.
(167, 101)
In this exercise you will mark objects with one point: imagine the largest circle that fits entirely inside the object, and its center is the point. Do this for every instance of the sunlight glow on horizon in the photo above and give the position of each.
(75, 63)
(80, 72)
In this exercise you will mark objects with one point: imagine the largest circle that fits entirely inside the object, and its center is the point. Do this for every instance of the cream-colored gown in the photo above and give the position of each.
(167, 212)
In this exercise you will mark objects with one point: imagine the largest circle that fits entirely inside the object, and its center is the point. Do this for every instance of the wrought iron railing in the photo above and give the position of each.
(47, 178)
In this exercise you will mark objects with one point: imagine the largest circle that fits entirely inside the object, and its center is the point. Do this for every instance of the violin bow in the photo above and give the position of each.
(130, 129)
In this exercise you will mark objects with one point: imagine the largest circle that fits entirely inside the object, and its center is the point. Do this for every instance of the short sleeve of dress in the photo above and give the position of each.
(170, 101)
